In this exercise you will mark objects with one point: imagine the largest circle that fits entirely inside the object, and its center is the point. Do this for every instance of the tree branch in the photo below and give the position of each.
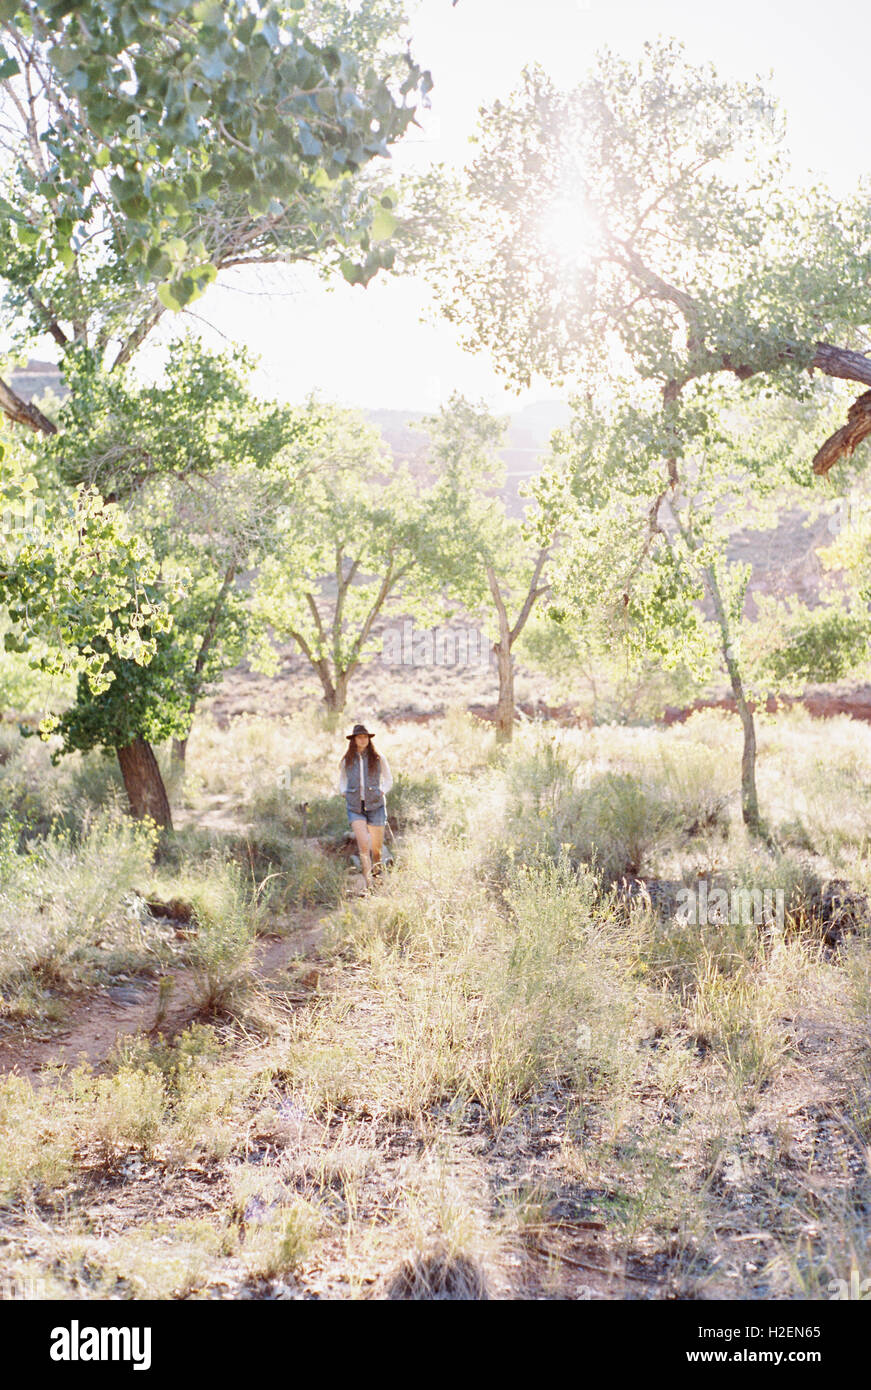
(387, 583)
(841, 362)
(343, 582)
(139, 333)
(533, 593)
(319, 627)
(303, 646)
(845, 440)
(23, 412)
(52, 324)
(209, 634)
(632, 262)
(504, 630)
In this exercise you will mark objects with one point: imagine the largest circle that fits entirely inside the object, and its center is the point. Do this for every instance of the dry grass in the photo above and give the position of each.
(509, 1078)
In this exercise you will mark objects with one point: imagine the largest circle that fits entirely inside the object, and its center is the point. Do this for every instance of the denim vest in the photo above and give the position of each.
(370, 793)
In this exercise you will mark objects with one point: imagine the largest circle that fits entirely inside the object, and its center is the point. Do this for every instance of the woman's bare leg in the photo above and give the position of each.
(361, 831)
(376, 835)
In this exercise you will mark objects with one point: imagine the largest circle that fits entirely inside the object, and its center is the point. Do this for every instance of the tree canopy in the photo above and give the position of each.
(643, 222)
(199, 466)
(76, 585)
(146, 147)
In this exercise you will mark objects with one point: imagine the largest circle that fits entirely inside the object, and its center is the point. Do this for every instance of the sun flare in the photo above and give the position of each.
(569, 230)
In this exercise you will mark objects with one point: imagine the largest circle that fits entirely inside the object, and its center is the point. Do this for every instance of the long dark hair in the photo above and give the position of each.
(373, 758)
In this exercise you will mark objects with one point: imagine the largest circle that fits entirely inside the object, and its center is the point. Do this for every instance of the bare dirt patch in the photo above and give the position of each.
(165, 1005)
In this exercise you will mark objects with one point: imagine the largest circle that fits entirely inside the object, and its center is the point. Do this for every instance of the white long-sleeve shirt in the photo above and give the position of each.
(386, 777)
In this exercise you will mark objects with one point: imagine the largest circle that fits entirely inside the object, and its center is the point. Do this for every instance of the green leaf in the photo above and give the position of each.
(176, 248)
(166, 295)
(309, 144)
(383, 224)
(213, 66)
(65, 59)
(184, 288)
(204, 275)
(351, 272)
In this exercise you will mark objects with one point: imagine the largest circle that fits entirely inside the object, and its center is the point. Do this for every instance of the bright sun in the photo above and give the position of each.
(568, 230)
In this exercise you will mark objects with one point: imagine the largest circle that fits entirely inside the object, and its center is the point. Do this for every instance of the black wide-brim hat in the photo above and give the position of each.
(359, 729)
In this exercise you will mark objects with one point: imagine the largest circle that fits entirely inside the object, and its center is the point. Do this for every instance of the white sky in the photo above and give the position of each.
(369, 347)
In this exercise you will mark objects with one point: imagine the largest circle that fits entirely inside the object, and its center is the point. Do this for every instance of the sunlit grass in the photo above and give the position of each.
(501, 974)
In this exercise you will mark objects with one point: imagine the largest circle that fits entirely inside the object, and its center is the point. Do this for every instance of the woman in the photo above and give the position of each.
(364, 777)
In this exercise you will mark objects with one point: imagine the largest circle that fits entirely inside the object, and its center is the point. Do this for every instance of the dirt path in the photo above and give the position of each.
(95, 1019)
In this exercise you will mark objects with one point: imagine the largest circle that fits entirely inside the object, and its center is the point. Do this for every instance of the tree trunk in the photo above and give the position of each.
(749, 798)
(505, 704)
(504, 664)
(335, 692)
(144, 784)
(22, 412)
(180, 745)
(507, 637)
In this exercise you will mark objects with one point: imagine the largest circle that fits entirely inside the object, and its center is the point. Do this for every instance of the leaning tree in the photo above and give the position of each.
(643, 223)
(642, 227)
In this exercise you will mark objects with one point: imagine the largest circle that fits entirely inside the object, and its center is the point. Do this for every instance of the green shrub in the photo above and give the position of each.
(227, 913)
(64, 895)
(309, 879)
(38, 1145)
(412, 801)
(275, 1246)
(124, 1111)
(698, 784)
(819, 644)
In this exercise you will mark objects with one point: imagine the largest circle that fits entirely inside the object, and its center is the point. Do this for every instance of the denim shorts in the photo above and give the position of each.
(377, 816)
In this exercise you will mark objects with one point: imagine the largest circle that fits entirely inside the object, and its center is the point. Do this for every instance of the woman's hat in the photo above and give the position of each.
(359, 729)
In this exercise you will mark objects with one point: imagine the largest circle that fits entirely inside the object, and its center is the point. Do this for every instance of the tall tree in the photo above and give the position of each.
(147, 147)
(650, 551)
(357, 534)
(491, 564)
(199, 466)
(643, 222)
